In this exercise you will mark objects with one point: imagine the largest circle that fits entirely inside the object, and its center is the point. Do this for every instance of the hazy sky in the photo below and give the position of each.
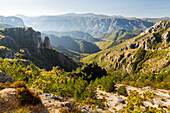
(135, 8)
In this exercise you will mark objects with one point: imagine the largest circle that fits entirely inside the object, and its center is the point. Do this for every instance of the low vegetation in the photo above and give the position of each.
(136, 103)
(122, 91)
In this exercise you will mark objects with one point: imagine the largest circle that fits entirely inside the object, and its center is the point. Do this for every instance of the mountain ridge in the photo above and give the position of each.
(97, 25)
(78, 45)
(28, 44)
(12, 20)
(152, 46)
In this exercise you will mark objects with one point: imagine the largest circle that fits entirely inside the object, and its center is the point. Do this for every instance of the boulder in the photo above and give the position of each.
(121, 101)
(68, 105)
(4, 78)
(55, 97)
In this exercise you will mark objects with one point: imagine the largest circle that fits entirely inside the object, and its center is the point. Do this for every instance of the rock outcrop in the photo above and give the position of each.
(47, 43)
(4, 78)
(16, 38)
(29, 45)
(166, 37)
(37, 40)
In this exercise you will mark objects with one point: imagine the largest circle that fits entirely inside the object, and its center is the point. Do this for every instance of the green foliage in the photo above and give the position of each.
(19, 84)
(122, 91)
(65, 84)
(1, 86)
(90, 101)
(140, 55)
(107, 83)
(136, 103)
(149, 95)
(80, 86)
(20, 72)
(22, 110)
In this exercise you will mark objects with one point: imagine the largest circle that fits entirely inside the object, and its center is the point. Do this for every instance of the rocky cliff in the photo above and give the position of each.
(28, 44)
(17, 38)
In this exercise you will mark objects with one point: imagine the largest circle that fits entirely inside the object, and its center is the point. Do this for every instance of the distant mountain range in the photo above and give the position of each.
(89, 22)
(12, 21)
(74, 34)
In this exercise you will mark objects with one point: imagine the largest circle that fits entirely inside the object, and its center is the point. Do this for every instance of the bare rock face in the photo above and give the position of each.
(166, 37)
(129, 69)
(4, 78)
(37, 39)
(24, 38)
(47, 43)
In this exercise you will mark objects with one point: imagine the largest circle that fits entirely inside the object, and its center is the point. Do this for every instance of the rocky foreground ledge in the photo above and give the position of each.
(52, 103)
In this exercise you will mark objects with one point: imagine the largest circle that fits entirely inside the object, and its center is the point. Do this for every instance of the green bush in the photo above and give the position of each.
(122, 91)
(19, 84)
(1, 86)
(22, 111)
(64, 110)
(108, 84)
(27, 97)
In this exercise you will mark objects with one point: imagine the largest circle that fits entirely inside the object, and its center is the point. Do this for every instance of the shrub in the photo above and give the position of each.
(100, 103)
(108, 84)
(19, 84)
(27, 97)
(7, 84)
(64, 110)
(122, 91)
(92, 71)
(22, 111)
(1, 86)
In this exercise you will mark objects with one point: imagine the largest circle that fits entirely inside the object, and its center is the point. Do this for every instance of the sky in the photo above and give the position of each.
(128, 8)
